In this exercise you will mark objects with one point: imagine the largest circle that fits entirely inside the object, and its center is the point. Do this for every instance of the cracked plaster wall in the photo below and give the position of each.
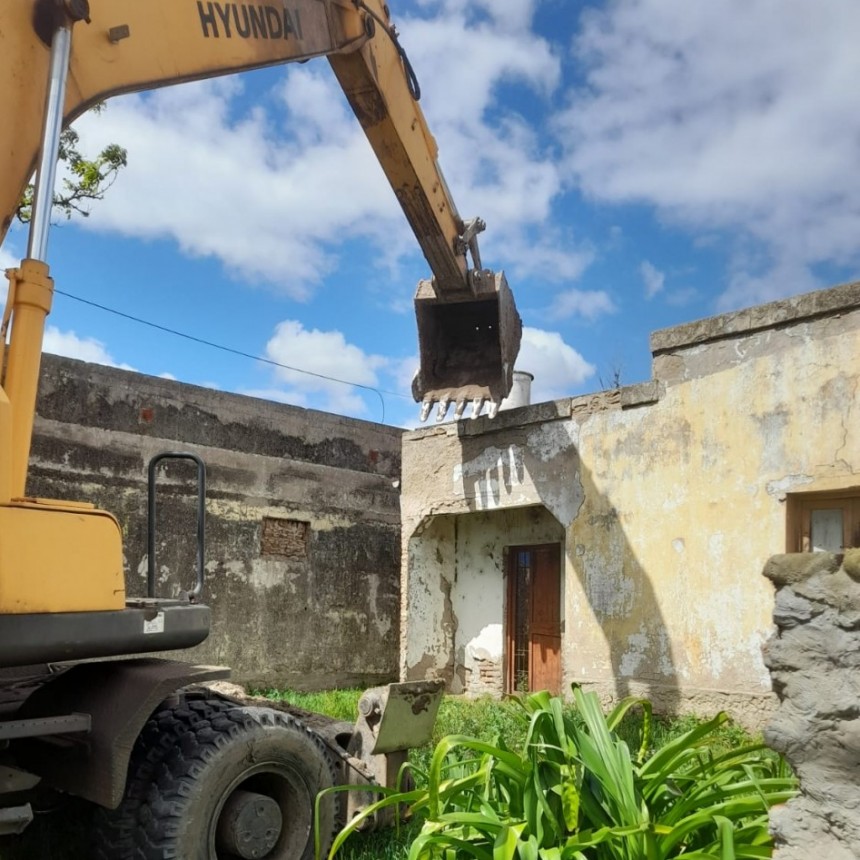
(460, 638)
(671, 494)
(325, 618)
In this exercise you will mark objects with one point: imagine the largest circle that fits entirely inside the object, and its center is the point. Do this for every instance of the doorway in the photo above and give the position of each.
(533, 618)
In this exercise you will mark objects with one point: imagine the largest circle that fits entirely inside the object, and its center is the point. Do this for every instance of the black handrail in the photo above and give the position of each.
(201, 520)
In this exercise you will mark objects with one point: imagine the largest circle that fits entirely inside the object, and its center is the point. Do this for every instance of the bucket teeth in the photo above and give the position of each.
(467, 341)
(443, 404)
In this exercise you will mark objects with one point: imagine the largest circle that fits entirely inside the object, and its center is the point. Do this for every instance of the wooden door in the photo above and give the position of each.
(533, 635)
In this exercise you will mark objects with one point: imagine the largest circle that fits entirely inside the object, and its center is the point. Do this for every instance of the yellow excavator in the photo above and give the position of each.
(175, 769)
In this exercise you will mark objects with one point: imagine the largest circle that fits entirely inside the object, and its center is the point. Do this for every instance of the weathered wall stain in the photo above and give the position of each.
(669, 496)
(330, 617)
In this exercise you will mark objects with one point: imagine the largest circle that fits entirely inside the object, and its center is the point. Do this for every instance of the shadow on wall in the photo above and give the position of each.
(625, 610)
(615, 638)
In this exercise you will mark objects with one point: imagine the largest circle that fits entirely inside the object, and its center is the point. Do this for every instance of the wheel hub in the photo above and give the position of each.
(249, 825)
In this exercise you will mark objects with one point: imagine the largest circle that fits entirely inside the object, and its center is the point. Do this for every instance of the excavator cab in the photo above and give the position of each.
(468, 343)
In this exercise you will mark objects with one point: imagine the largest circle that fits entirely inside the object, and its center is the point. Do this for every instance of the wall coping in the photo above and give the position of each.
(214, 399)
(626, 397)
(821, 303)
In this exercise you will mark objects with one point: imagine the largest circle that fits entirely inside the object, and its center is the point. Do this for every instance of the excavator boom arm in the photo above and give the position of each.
(129, 45)
(468, 328)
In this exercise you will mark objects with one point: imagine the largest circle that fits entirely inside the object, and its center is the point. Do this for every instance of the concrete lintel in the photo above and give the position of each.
(828, 302)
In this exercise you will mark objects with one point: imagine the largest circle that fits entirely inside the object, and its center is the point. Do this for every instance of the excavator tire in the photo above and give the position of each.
(209, 780)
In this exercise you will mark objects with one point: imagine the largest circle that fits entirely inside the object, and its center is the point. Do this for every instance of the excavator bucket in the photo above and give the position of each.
(468, 344)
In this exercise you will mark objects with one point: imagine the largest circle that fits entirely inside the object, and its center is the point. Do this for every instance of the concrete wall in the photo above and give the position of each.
(669, 495)
(303, 531)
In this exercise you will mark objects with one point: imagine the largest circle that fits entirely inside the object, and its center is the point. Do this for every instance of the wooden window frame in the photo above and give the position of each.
(798, 516)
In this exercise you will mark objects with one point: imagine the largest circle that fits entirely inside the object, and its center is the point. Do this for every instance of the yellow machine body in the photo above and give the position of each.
(59, 557)
(66, 560)
(74, 703)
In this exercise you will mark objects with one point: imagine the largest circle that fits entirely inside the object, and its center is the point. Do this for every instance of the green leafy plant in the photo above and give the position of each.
(86, 180)
(573, 790)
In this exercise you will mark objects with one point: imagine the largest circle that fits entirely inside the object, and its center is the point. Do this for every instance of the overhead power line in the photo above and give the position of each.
(233, 351)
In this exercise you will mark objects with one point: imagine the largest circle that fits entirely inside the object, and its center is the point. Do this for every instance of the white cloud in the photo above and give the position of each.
(682, 297)
(653, 278)
(588, 304)
(751, 287)
(558, 369)
(278, 395)
(511, 15)
(274, 190)
(495, 161)
(541, 254)
(8, 260)
(325, 356)
(736, 115)
(402, 372)
(479, 56)
(68, 344)
(271, 208)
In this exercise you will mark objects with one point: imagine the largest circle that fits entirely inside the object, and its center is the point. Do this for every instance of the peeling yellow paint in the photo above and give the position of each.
(668, 510)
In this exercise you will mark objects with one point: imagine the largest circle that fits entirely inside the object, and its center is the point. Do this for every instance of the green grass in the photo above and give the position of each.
(484, 719)
(339, 704)
(383, 845)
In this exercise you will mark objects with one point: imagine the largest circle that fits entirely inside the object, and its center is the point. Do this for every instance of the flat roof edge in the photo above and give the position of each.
(826, 302)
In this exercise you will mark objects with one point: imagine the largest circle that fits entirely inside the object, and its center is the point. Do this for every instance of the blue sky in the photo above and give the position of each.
(639, 164)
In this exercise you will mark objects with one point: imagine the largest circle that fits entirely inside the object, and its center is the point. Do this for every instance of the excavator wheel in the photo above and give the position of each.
(209, 780)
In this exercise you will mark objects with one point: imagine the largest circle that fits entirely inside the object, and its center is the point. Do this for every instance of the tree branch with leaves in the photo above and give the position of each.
(88, 179)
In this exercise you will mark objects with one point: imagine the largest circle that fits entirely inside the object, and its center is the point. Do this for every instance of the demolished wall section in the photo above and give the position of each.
(814, 659)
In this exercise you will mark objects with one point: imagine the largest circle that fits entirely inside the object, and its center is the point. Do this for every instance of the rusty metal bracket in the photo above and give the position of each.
(391, 721)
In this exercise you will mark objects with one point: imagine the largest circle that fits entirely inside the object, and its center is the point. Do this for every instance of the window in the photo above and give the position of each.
(823, 522)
